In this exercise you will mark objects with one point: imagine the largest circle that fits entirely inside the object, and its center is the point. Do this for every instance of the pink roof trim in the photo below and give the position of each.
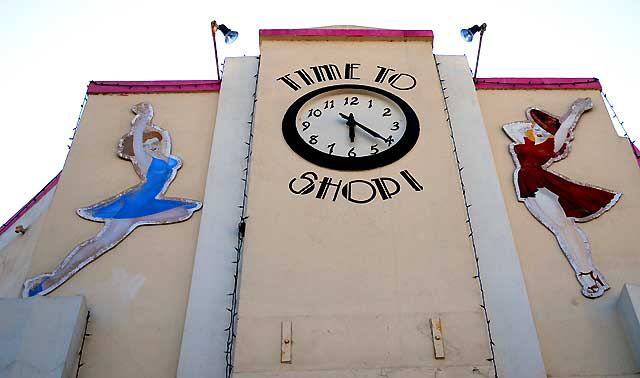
(636, 152)
(538, 83)
(97, 87)
(379, 33)
(32, 202)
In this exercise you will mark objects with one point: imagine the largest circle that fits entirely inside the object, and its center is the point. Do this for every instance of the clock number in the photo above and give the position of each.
(389, 140)
(328, 104)
(374, 149)
(313, 139)
(387, 112)
(305, 125)
(354, 101)
(351, 152)
(314, 112)
(396, 126)
(370, 104)
(330, 147)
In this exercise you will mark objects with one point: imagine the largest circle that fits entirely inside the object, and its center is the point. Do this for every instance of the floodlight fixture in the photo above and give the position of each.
(467, 35)
(229, 37)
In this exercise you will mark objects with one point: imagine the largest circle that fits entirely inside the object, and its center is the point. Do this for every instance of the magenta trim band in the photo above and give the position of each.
(636, 152)
(376, 33)
(538, 83)
(32, 202)
(159, 86)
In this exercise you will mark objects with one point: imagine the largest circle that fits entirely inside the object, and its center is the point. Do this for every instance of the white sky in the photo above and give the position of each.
(50, 50)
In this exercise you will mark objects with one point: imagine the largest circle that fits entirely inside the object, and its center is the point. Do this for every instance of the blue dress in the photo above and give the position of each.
(141, 201)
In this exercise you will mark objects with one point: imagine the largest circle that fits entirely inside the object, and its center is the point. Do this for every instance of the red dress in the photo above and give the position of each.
(578, 201)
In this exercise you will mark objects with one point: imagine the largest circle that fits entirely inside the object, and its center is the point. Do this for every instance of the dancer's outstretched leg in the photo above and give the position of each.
(573, 241)
(113, 231)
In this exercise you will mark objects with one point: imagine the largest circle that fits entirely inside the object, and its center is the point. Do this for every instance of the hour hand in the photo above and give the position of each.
(350, 120)
(351, 123)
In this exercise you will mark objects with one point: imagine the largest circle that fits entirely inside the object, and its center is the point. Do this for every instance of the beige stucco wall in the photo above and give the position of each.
(359, 282)
(15, 259)
(137, 292)
(578, 336)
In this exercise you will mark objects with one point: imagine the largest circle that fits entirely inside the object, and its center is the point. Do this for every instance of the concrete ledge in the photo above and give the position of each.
(41, 337)
(629, 310)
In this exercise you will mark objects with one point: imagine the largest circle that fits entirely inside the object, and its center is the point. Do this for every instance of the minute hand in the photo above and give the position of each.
(365, 128)
(373, 133)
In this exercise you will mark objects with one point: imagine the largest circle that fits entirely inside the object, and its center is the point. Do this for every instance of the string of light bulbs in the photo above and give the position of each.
(540, 82)
(75, 129)
(615, 116)
(468, 220)
(233, 309)
(149, 85)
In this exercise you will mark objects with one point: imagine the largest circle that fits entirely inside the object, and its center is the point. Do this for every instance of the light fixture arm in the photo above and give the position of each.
(483, 27)
(214, 28)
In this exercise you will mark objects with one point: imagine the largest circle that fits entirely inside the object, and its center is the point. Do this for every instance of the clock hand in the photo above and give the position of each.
(351, 123)
(350, 119)
(373, 133)
(365, 128)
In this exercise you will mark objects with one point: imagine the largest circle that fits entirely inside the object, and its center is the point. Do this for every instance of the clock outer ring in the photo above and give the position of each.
(345, 163)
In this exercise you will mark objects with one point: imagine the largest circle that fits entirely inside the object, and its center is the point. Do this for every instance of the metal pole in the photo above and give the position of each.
(214, 28)
(483, 27)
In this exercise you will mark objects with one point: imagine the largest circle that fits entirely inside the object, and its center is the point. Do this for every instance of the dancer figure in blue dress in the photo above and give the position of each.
(148, 147)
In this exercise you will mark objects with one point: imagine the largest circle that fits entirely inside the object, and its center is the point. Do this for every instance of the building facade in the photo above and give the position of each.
(347, 204)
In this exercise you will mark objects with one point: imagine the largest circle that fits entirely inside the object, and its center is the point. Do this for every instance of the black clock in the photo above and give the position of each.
(350, 127)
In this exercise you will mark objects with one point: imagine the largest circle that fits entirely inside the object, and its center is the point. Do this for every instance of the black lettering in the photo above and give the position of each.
(349, 69)
(307, 188)
(411, 180)
(326, 72)
(304, 76)
(384, 189)
(324, 188)
(403, 85)
(347, 192)
(382, 74)
(289, 81)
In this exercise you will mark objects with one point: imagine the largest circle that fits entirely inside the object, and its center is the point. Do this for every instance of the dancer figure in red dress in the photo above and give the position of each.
(556, 201)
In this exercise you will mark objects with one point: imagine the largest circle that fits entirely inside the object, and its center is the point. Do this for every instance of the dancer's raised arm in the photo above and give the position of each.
(565, 131)
(144, 115)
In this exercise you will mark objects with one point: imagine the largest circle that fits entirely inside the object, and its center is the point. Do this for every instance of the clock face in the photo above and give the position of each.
(350, 127)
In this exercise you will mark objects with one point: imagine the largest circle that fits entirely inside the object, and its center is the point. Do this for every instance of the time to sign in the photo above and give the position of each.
(355, 191)
(329, 72)
(350, 126)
